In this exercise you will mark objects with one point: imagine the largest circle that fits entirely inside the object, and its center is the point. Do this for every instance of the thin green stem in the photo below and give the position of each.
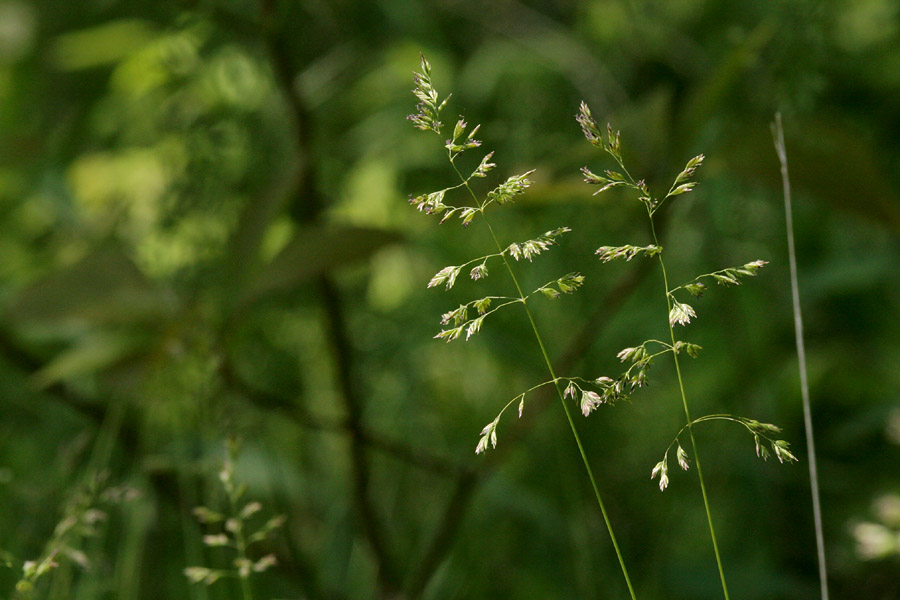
(479, 259)
(521, 396)
(661, 343)
(241, 546)
(719, 417)
(499, 306)
(781, 150)
(590, 382)
(540, 341)
(687, 414)
(240, 542)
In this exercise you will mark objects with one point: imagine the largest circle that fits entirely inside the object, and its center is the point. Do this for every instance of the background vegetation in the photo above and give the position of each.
(204, 234)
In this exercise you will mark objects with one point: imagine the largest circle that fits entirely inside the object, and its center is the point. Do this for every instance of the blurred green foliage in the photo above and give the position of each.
(205, 234)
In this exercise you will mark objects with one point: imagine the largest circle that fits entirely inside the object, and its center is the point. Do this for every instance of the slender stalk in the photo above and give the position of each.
(780, 149)
(187, 498)
(687, 414)
(242, 554)
(240, 545)
(568, 411)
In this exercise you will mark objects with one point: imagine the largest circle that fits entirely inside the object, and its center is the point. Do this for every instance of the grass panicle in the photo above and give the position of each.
(469, 318)
(84, 514)
(237, 528)
(678, 312)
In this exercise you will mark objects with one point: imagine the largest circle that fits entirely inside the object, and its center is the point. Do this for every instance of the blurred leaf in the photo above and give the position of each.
(314, 251)
(255, 220)
(104, 287)
(100, 45)
(93, 352)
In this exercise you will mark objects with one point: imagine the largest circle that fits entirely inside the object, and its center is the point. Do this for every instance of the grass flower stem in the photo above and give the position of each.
(780, 149)
(240, 544)
(687, 414)
(568, 412)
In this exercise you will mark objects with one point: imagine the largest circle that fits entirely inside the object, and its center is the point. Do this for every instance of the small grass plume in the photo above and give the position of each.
(678, 313)
(235, 529)
(469, 318)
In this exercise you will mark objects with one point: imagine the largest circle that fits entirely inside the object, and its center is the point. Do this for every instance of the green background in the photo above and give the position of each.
(204, 233)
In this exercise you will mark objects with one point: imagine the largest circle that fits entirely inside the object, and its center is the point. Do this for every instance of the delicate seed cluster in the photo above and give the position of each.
(680, 313)
(608, 253)
(235, 530)
(507, 191)
(762, 439)
(461, 322)
(458, 144)
(591, 400)
(532, 248)
(564, 285)
(427, 117)
(82, 518)
(528, 250)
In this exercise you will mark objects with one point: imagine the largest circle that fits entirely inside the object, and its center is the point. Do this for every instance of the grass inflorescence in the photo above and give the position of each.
(84, 515)
(678, 313)
(469, 318)
(237, 528)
